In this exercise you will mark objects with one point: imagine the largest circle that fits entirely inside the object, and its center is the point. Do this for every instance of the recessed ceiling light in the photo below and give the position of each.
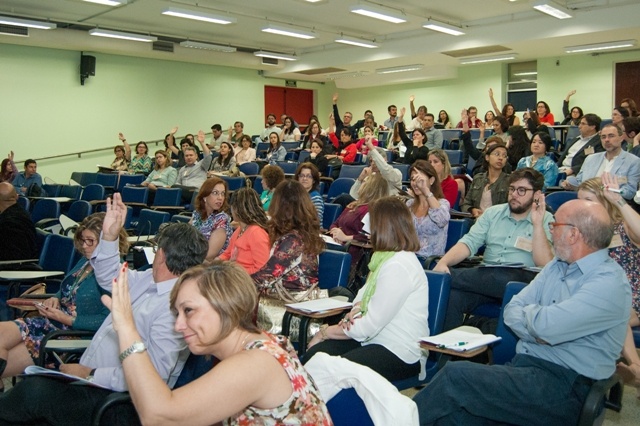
(122, 35)
(600, 46)
(109, 2)
(553, 9)
(404, 68)
(199, 16)
(482, 59)
(289, 32)
(356, 42)
(442, 27)
(377, 12)
(41, 25)
(275, 55)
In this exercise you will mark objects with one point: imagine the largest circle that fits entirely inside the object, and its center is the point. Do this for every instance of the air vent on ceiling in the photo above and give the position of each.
(13, 30)
(269, 61)
(163, 46)
(476, 51)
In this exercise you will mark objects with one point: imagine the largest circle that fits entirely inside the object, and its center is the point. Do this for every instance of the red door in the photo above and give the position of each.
(297, 103)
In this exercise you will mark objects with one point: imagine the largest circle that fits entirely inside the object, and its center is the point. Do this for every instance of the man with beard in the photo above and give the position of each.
(270, 127)
(515, 232)
(571, 323)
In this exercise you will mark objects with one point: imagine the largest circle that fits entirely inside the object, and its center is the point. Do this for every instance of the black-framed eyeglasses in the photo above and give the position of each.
(521, 190)
(90, 242)
(556, 224)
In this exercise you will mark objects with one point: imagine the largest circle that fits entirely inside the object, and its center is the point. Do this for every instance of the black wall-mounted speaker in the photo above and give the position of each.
(87, 65)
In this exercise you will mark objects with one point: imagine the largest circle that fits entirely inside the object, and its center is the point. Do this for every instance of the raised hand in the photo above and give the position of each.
(120, 303)
(173, 131)
(403, 110)
(538, 208)
(490, 92)
(121, 137)
(335, 98)
(412, 98)
(610, 181)
(114, 218)
(10, 155)
(200, 136)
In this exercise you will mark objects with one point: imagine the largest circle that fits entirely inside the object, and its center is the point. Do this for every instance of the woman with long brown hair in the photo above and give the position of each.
(294, 235)
(249, 244)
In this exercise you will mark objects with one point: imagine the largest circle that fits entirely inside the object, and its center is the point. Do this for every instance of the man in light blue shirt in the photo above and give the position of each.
(25, 179)
(515, 232)
(571, 322)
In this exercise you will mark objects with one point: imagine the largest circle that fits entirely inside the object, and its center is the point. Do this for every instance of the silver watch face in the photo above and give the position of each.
(138, 347)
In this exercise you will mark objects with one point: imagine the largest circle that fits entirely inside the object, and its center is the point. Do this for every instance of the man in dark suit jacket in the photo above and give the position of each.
(587, 143)
(16, 228)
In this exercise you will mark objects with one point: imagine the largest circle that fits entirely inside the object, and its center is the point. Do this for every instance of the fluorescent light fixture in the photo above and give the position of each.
(109, 2)
(208, 46)
(434, 25)
(526, 73)
(122, 35)
(377, 12)
(404, 68)
(27, 23)
(289, 32)
(199, 16)
(356, 42)
(346, 74)
(481, 59)
(551, 8)
(274, 55)
(600, 46)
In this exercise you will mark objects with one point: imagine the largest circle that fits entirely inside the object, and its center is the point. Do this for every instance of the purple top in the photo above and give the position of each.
(432, 229)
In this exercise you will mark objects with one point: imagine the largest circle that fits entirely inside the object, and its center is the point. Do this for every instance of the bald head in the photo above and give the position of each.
(8, 196)
(591, 219)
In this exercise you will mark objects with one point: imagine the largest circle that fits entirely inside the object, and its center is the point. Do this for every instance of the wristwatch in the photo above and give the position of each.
(89, 378)
(135, 348)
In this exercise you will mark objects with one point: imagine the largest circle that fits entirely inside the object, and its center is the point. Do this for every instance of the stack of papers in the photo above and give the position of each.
(320, 305)
(460, 341)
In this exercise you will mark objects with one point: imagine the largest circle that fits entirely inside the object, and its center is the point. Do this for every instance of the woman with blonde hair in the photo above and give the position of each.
(249, 244)
(294, 235)
(163, 175)
(439, 160)
(389, 314)
(210, 216)
(348, 226)
(259, 379)
(624, 249)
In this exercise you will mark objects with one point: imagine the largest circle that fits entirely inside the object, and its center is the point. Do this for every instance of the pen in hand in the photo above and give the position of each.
(57, 357)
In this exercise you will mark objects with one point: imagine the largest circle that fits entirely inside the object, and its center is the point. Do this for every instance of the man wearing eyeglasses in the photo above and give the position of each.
(571, 322)
(345, 121)
(614, 160)
(513, 233)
